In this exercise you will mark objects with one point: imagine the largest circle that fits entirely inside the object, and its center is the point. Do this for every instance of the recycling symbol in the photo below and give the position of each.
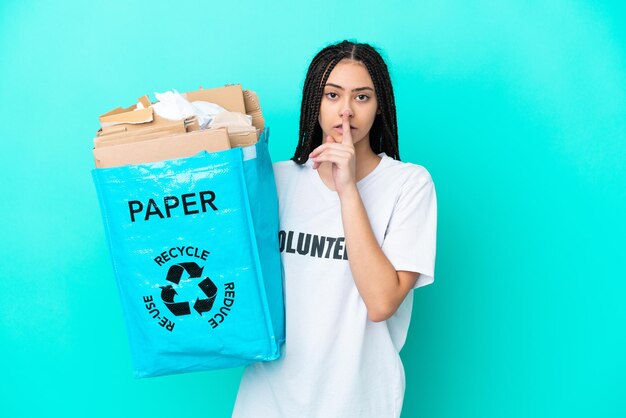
(168, 293)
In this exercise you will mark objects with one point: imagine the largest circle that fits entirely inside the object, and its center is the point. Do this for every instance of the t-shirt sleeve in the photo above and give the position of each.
(411, 235)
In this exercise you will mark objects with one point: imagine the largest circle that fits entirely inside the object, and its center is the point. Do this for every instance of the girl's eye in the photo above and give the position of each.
(331, 95)
(362, 97)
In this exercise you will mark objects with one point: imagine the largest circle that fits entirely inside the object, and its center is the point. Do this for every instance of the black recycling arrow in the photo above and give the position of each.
(203, 305)
(175, 273)
(177, 308)
(208, 287)
(168, 293)
(210, 290)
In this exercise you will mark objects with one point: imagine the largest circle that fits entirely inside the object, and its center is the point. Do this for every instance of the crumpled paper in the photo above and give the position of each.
(172, 105)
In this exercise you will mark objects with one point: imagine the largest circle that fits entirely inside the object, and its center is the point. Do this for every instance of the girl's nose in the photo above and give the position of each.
(346, 110)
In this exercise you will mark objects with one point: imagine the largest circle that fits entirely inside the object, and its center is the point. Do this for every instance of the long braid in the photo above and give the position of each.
(383, 136)
(318, 73)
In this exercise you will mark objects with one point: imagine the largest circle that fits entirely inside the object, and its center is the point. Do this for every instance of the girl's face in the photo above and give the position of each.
(349, 87)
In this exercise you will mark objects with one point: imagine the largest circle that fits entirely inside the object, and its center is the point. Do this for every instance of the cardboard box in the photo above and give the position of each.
(159, 149)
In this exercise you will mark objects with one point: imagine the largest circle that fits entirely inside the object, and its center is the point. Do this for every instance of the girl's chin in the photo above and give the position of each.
(334, 137)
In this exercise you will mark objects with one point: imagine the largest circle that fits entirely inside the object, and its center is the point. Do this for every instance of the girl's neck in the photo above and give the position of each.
(366, 160)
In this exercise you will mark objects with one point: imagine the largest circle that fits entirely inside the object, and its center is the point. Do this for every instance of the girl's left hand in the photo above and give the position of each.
(341, 155)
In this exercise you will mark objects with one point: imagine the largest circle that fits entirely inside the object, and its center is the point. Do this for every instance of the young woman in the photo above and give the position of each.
(357, 235)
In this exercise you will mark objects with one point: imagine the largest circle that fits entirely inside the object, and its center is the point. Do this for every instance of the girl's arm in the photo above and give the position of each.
(382, 287)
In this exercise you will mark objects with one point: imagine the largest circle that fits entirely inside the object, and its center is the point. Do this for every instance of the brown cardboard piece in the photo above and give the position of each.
(229, 97)
(243, 139)
(130, 115)
(157, 122)
(253, 108)
(145, 101)
(137, 136)
(160, 149)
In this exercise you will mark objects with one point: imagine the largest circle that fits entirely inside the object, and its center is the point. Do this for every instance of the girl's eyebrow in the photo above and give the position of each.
(341, 88)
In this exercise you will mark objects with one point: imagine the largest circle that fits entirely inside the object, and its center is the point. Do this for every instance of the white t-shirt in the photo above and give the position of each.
(336, 363)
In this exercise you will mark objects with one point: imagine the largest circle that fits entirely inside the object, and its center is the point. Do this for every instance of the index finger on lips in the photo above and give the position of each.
(346, 137)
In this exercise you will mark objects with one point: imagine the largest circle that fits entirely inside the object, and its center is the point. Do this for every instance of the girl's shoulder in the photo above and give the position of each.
(405, 172)
(288, 168)
(288, 173)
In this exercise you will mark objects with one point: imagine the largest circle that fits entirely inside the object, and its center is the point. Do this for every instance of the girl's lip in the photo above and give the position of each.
(340, 128)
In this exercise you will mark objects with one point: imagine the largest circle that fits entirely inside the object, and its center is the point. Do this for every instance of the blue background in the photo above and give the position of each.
(517, 109)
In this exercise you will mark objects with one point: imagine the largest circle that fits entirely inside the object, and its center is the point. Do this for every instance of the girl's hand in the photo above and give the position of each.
(340, 155)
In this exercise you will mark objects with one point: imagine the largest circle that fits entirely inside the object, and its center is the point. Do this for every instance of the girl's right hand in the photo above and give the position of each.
(341, 155)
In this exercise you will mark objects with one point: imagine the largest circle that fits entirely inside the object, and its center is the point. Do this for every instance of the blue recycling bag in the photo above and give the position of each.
(194, 246)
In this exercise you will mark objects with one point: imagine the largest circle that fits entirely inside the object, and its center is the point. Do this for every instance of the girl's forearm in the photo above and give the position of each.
(378, 282)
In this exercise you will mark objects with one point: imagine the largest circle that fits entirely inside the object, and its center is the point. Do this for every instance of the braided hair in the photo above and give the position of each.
(384, 131)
